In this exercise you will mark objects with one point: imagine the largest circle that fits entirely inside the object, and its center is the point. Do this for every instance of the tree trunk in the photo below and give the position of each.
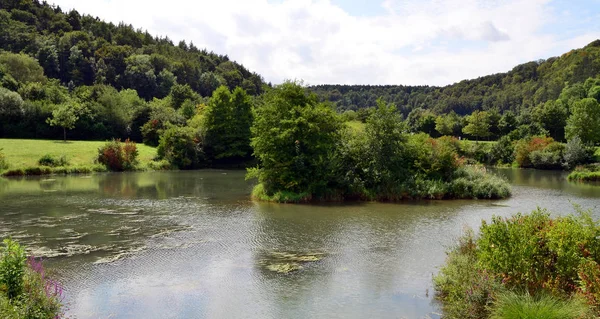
(65, 134)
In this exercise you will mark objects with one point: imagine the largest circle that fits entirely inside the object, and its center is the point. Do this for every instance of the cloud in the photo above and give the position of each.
(431, 42)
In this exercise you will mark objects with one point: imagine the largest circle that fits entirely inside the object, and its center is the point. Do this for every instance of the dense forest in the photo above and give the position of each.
(536, 98)
(525, 86)
(106, 79)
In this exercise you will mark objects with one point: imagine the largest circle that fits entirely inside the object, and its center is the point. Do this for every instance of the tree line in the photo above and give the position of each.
(105, 79)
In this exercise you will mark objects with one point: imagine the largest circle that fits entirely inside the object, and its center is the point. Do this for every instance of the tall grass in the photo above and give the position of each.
(524, 306)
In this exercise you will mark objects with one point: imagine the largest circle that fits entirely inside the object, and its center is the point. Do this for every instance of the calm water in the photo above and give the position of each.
(192, 245)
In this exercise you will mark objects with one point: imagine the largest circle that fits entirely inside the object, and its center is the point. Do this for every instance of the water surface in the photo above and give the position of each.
(192, 244)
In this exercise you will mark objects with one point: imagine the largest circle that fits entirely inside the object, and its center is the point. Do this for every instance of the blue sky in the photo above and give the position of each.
(434, 42)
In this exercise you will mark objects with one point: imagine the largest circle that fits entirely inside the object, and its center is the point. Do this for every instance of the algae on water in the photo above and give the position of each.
(287, 262)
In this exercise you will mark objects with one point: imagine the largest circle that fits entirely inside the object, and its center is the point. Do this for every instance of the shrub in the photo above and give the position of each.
(117, 156)
(577, 153)
(12, 268)
(476, 182)
(545, 152)
(517, 306)
(435, 159)
(181, 147)
(3, 162)
(502, 152)
(25, 291)
(49, 160)
(534, 254)
(548, 158)
(464, 289)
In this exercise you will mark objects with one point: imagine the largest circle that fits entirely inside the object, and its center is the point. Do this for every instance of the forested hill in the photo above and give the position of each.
(525, 86)
(84, 50)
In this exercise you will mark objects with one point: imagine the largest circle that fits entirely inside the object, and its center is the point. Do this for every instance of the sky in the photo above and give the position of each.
(401, 42)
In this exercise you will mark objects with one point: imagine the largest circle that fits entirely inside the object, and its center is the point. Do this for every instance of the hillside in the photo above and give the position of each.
(525, 86)
(112, 79)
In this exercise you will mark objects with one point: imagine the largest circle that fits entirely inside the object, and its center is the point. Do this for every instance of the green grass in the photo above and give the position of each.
(585, 173)
(24, 154)
(524, 306)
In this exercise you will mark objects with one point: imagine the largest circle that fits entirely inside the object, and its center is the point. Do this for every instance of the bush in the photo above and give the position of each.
(3, 162)
(577, 153)
(532, 253)
(117, 156)
(476, 182)
(12, 268)
(539, 152)
(502, 152)
(49, 160)
(181, 147)
(464, 289)
(25, 291)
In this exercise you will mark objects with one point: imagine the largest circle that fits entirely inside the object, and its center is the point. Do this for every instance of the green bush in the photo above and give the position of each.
(12, 268)
(465, 289)
(519, 306)
(25, 291)
(49, 160)
(117, 156)
(181, 147)
(502, 152)
(532, 253)
(476, 182)
(577, 153)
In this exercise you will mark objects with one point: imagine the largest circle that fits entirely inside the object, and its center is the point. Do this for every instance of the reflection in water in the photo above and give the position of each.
(191, 244)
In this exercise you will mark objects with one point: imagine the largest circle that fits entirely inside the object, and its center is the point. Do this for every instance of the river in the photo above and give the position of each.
(193, 245)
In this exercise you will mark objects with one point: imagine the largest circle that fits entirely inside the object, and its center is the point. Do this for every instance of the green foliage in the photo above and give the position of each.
(293, 139)
(181, 147)
(22, 67)
(49, 160)
(584, 121)
(534, 254)
(577, 153)
(479, 125)
(11, 103)
(518, 306)
(475, 182)
(585, 173)
(65, 116)
(227, 121)
(12, 269)
(25, 291)
(537, 148)
(553, 117)
(463, 287)
(502, 152)
(117, 156)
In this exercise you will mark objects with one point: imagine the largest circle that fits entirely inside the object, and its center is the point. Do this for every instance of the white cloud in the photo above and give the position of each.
(413, 42)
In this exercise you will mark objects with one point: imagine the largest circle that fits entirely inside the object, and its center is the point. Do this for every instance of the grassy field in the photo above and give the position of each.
(26, 153)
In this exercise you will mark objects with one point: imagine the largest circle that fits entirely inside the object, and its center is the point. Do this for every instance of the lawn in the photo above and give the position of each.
(25, 153)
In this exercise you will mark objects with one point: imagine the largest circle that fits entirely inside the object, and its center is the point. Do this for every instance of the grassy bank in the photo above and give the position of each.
(22, 156)
(586, 173)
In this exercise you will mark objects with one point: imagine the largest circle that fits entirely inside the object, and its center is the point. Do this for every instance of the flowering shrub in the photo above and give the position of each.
(117, 156)
(25, 290)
